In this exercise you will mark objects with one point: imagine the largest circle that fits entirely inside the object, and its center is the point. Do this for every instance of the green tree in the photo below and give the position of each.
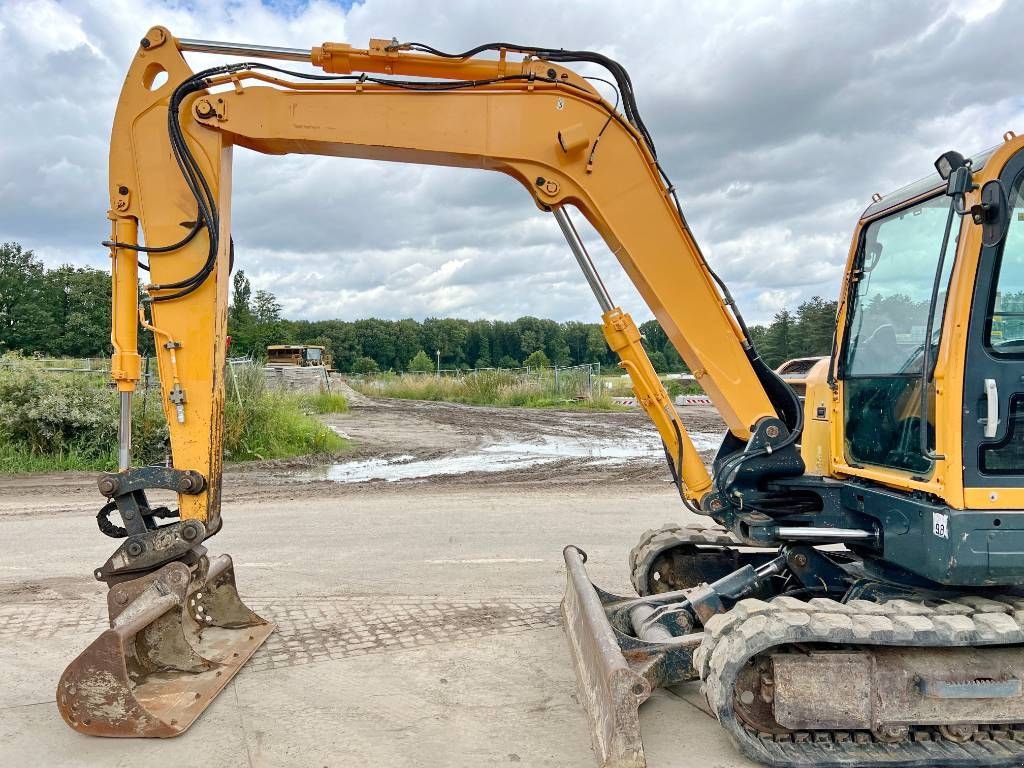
(377, 340)
(78, 300)
(673, 362)
(597, 348)
(266, 308)
(815, 327)
(658, 361)
(758, 333)
(778, 343)
(365, 365)
(657, 345)
(483, 357)
(241, 323)
(266, 327)
(448, 335)
(537, 359)
(406, 340)
(26, 322)
(241, 294)
(421, 363)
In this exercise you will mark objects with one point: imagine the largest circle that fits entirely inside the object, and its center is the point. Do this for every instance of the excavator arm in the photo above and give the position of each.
(523, 114)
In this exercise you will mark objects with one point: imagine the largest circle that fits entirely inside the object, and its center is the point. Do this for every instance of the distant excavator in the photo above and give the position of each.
(851, 599)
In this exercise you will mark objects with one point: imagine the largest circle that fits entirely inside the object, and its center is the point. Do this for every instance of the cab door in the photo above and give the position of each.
(993, 428)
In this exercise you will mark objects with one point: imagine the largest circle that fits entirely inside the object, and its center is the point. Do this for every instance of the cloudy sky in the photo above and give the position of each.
(776, 120)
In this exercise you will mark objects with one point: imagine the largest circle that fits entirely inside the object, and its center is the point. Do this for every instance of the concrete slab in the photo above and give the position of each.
(418, 627)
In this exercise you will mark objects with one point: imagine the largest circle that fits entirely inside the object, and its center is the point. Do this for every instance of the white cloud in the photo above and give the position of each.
(776, 120)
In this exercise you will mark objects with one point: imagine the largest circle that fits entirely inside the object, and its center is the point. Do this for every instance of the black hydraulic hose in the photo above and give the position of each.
(156, 248)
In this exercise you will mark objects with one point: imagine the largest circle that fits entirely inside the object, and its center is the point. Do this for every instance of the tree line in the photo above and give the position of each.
(66, 311)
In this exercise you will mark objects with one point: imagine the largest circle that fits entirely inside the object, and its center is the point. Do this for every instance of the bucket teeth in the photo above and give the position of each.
(177, 636)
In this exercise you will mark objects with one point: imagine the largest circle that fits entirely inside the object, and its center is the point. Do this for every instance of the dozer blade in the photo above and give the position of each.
(177, 636)
(615, 671)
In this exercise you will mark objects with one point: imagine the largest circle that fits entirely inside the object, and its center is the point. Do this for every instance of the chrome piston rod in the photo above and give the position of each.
(244, 49)
(124, 433)
(583, 259)
(821, 535)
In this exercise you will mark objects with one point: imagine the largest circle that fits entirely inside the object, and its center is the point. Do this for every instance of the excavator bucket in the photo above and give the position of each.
(177, 636)
(615, 671)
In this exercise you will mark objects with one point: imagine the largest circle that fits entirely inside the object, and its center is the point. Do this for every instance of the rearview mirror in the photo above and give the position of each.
(992, 213)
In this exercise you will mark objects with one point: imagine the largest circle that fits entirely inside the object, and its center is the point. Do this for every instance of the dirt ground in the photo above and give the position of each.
(416, 430)
(417, 616)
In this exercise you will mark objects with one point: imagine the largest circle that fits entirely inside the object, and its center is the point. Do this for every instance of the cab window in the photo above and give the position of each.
(885, 335)
(1006, 319)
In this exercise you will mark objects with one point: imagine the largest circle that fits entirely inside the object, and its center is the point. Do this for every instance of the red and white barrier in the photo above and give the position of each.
(693, 400)
(680, 400)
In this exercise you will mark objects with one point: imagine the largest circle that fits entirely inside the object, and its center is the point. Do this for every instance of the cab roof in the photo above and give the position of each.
(920, 188)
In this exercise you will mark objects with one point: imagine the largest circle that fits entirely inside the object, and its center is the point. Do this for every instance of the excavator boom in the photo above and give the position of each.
(879, 456)
(170, 191)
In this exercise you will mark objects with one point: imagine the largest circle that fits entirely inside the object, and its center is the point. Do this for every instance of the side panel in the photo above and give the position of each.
(819, 411)
(941, 544)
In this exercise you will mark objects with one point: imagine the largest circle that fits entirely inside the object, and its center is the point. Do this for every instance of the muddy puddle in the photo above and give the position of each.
(507, 456)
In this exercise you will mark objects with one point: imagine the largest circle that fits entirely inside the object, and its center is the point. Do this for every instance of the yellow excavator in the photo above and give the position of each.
(851, 597)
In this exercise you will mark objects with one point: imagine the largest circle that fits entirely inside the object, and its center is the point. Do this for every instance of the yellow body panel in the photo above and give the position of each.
(819, 411)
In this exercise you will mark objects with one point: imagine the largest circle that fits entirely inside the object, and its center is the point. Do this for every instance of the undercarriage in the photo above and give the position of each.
(802, 665)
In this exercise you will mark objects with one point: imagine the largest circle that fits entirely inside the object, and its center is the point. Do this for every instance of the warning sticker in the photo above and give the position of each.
(940, 525)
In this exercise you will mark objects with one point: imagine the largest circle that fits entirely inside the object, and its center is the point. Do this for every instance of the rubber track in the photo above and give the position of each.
(754, 626)
(657, 540)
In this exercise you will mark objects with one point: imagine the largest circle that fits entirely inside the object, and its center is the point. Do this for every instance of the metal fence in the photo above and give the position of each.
(95, 366)
(100, 365)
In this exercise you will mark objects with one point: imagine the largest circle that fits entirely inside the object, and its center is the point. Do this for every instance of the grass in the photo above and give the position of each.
(498, 388)
(64, 422)
(325, 402)
(277, 425)
(18, 458)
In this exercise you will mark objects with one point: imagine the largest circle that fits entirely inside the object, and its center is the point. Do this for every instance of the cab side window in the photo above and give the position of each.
(1006, 318)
